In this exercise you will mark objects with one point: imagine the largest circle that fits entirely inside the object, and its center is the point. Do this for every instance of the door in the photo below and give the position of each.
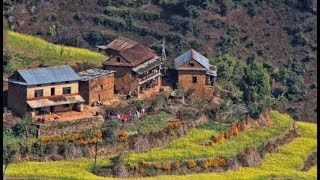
(52, 91)
(51, 109)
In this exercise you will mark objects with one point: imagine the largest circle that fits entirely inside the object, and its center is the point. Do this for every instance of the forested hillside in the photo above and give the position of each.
(280, 34)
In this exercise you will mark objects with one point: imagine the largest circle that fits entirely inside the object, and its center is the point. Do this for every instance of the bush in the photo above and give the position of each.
(192, 11)
(62, 149)
(48, 148)
(78, 17)
(94, 37)
(186, 113)
(123, 136)
(218, 23)
(191, 164)
(36, 148)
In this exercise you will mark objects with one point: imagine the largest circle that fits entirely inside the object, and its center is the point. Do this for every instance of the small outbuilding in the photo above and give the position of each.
(96, 85)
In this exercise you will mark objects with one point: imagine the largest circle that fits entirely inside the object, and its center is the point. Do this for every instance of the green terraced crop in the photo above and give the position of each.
(26, 51)
(250, 138)
(283, 163)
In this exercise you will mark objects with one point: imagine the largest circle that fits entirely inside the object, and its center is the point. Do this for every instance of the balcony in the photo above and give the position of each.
(149, 77)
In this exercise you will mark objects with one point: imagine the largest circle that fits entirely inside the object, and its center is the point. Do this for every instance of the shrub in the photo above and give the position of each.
(62, 149)
(192, 11)
(187, 113)
(166, 166)
(48, 148)
(36, 148)
(191, 163)
(157, 165)
(176, 165)
(123, 136)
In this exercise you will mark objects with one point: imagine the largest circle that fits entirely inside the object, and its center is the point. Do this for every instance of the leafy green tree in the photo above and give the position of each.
(129, 20)
(26, 128)
(225, 65)
(192, 11)
(10, 150)
(255, 86)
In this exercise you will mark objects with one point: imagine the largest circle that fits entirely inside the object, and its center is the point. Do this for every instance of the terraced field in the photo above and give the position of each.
(29, 51)
(177, 149)
(286, 162)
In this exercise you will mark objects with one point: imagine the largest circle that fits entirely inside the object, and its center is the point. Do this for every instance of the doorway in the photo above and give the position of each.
(52, 91)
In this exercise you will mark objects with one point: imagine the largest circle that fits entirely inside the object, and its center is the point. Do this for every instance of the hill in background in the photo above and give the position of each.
(280, 34)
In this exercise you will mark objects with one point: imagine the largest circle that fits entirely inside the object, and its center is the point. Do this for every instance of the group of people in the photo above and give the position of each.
(124, 117)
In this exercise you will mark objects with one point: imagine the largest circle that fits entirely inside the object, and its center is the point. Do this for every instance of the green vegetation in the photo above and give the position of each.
(150, 123)
(283, 163)
(24, 51)
(177, 149)
(256, 87)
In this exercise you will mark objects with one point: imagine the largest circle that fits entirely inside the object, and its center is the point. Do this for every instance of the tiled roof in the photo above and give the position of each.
(45, 75)
(135, 55)
(93, 73)
(192, 54)
(120, 44)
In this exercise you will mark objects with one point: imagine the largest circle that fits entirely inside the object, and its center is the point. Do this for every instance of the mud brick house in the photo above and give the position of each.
(44, 90)
(195, 73)
(137, 67)
(96, 85)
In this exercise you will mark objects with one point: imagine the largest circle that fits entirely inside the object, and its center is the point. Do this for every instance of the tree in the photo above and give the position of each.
(181, 92)
(10, 150)
(255, 86)
(225, 65)
(129, 20)
(192, 11)
(26, 128)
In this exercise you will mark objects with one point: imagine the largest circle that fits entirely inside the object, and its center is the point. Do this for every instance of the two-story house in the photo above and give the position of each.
(137, 67)
(44, 90)
(195, 73)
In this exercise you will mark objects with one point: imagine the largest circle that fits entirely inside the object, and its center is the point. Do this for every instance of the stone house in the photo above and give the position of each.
(195, 73)
(44, 90)
(96, 85)
(137, 67)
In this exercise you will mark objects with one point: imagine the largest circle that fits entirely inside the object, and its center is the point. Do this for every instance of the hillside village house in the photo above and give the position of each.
(96, 85)
(195, 73)
(44, 90)
(137, 67)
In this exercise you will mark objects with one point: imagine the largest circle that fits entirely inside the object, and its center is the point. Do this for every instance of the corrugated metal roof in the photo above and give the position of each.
(154, 62)
(50, 102)
(46, 75)
(121, 44)
(93, 73)
(191, 54)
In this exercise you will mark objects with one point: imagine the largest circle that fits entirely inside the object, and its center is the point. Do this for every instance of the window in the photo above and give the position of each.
(66, 105)
(118, 59)
(52, 91)
(66, 90)
(194, 79)
(38, 93)
(101, 86)
(191, 64)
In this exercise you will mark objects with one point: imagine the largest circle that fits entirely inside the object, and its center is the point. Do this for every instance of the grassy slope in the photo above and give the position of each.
(29, 51)
(251, 138)
(150, 123)
(284, 163)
